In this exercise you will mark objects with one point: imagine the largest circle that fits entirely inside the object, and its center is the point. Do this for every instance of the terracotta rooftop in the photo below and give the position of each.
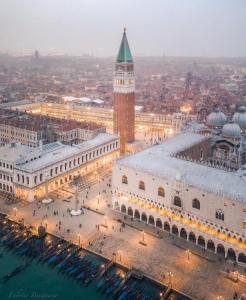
(38, 122)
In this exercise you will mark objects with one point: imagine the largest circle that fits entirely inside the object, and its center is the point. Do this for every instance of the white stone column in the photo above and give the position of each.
(76, 198)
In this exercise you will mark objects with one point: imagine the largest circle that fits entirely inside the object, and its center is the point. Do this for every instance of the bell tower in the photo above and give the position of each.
(124, 95)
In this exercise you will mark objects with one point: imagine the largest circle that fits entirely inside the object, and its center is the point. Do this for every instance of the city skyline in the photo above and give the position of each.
(191, 28)
(123, 149)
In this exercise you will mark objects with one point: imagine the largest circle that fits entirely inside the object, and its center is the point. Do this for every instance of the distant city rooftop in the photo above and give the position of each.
(37, 122)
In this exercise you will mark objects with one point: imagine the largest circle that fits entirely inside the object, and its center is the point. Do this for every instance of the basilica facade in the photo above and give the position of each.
(229, 138)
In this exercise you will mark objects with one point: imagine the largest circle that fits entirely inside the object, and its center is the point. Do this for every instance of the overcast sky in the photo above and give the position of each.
(154, 27)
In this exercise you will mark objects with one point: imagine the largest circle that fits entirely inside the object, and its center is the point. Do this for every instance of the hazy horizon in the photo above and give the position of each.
(188, 28)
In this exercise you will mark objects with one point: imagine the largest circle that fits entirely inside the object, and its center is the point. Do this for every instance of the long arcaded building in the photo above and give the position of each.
(170, 123)
(31, 173)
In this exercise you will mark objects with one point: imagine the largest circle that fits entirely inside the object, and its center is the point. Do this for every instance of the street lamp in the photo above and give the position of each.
(143, 234)
(170, 275)
(188, 254)
(15, 211)
(236, 275)
(79, 239)
(119, 254)
(105, 221)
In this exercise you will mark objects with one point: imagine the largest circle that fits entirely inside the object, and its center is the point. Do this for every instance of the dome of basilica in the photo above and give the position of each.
(240, 117)
(231, 130)
(216, 119)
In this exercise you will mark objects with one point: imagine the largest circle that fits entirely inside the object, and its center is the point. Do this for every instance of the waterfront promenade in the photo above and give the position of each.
(158, 258)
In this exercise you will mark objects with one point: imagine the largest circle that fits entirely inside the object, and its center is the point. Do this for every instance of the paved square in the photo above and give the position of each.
(197, 277)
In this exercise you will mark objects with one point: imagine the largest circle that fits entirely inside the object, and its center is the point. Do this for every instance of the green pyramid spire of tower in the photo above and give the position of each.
(124, 54)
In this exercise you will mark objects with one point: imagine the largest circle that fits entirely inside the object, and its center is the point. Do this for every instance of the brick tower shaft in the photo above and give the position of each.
(124, 95)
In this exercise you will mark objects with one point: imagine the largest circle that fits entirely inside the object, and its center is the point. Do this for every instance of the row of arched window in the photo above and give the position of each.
(161, 192)
(196, 204)
(178, 202)
(6, 187)
(141, 186)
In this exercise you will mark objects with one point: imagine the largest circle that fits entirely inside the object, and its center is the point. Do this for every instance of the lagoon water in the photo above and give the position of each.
(38, 281)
